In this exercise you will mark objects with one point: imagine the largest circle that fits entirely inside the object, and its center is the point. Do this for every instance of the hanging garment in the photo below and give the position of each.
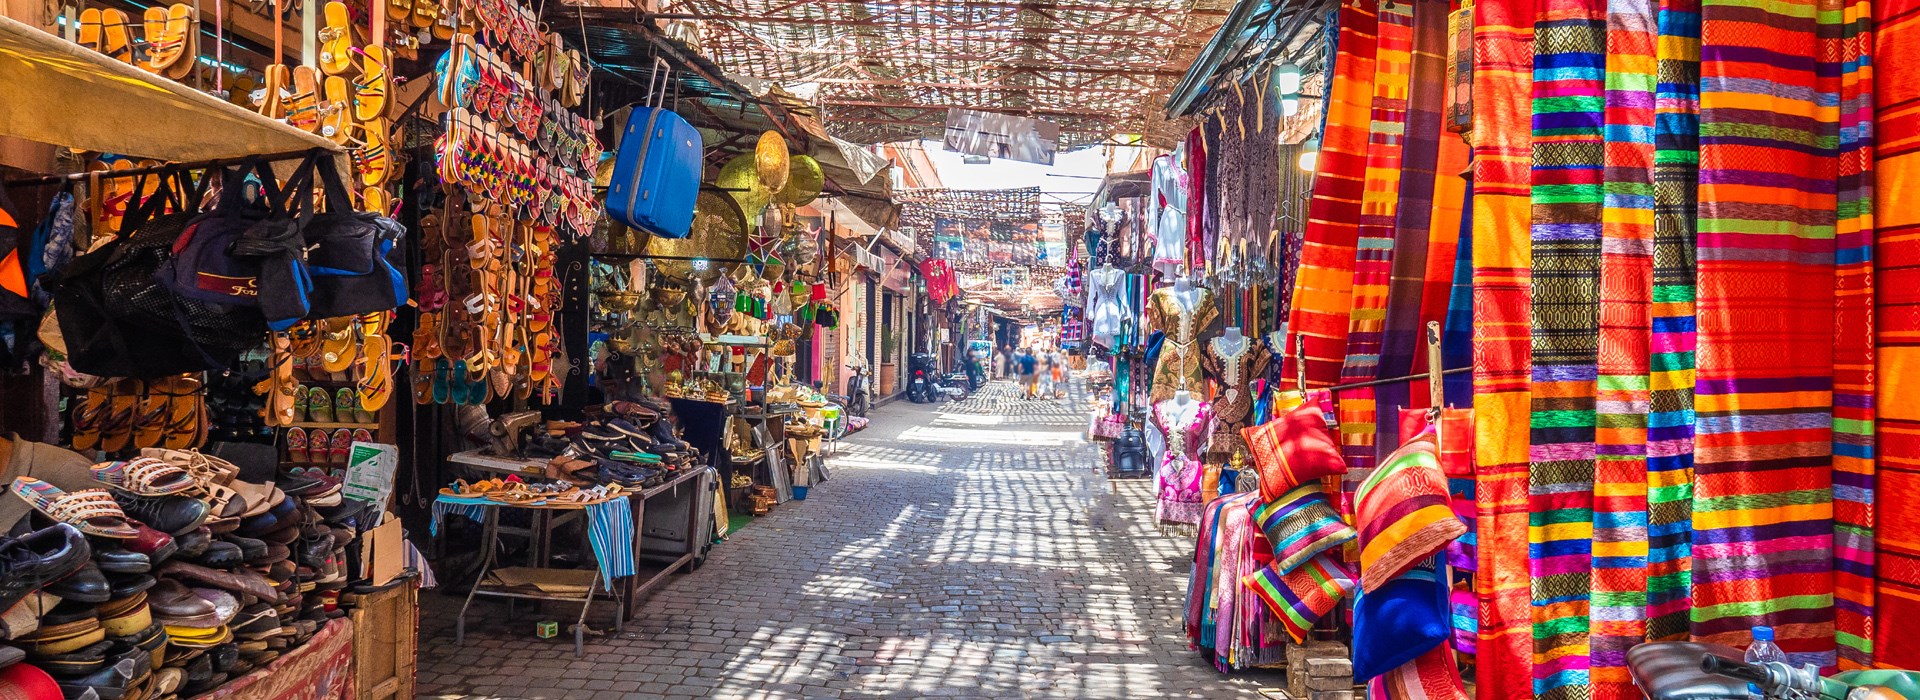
(1179, 476)
(1763, 443)
(1670, 377)
(1179, 363)
(1170, 223)
(1232, 369)
(1502, 259)
(1896, 208)
(1108, 308)
(1456, 339)
(1323, 285)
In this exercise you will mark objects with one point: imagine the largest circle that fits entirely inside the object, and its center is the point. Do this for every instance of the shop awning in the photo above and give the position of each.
(64, 94)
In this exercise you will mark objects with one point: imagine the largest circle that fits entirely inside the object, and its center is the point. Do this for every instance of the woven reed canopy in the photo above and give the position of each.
(888, 70)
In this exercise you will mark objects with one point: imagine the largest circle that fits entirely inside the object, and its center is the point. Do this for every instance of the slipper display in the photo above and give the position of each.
(145, 476)
(336, 38)
(93, 511)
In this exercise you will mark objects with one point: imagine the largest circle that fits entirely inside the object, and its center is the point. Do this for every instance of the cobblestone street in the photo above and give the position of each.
(963, 550)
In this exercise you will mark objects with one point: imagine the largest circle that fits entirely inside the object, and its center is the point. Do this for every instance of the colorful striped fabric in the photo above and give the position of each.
(1618, 606)
(1373, 263)
(1299, 598)
(1671, 352)
(1896, 206)
(1402, 513)
(1568, 103)
(1456, 337)
(1300, 524)
(1502, 261)
(1433, 676)
(1763, 444)
(1323, 284)
(1403, 346)
(1848, 59)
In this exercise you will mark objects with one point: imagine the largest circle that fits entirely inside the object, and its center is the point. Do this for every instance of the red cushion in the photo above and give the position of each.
(1293, 449)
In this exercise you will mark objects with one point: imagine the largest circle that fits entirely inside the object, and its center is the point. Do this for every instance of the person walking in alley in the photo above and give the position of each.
(1028, 367)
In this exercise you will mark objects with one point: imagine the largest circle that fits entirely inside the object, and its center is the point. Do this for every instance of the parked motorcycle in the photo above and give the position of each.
(1694, 671)
(922, 387)
(859, 396)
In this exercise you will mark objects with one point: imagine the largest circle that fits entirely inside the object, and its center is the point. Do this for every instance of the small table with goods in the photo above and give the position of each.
(612, 520)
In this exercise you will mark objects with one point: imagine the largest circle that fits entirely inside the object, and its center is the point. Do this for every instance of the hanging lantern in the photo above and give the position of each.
(1286, 83)
(770, 158)
(740, 178)
(804, 180)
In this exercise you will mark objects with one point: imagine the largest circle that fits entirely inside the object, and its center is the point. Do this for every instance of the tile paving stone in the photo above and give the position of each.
(959, 550)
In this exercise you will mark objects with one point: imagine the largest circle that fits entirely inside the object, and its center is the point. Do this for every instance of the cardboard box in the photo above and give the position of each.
(383, 551)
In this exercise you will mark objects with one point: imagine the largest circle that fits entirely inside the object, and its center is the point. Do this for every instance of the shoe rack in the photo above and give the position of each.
(379, 426)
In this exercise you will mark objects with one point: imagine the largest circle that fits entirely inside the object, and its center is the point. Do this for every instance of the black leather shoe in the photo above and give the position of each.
(29, 562)
(193, 544)
(220, 554)
(84, 585)
(112, 682)
(174, 515)
(120, 561)
(252, 550)
(125, 585)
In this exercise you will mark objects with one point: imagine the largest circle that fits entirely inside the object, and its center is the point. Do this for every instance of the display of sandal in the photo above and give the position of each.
(144, 476)
(338, 446)
(297, 445)
(93, 511)
(336, 39)
(320, 406)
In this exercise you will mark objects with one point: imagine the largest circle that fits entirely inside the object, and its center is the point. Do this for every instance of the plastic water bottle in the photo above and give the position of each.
(1763, 651)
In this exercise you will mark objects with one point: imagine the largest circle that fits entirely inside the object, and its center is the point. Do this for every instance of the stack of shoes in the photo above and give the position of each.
(175, 578)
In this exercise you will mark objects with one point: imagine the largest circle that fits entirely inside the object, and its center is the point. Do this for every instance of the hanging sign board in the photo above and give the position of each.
(1002, 136)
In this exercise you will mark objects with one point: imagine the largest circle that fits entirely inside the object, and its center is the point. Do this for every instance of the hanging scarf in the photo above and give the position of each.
(1671, 352)
(1762, 517)
(1502, 259)
(1323, 285)
(1846, 51)
(1896, 207)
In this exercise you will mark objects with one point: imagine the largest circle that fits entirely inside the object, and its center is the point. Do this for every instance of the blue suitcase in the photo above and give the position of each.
(656, 173)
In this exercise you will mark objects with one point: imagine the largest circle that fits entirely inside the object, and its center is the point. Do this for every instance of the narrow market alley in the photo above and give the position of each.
(960, 550)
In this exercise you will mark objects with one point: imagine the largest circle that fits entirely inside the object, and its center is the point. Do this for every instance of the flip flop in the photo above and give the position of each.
(117, 431)
(297, 445)
(181, 69)
(153, 27)
(372, 156)
(303, 107)
(150, 417)
(374, 199)
(92, 511)
(90, 29)
(370, 89)
(320, 406)
(336, 40)
(186, 412)
(375, 384)
(89, 416)
(422, 378)
(118, 41)
(399, 9)
(337, 351)
(426, 13)
(144, 476)
(337, 115)
(166, 47)
(271, 97)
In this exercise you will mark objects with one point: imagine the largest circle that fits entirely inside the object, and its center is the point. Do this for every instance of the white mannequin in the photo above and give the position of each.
(1233, 338)
(1185, 294)
(1181, 398)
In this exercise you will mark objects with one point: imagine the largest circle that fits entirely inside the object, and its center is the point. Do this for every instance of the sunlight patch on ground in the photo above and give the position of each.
(958, 436)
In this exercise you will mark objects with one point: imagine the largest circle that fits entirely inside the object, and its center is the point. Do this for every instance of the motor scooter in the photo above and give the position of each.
(1695, 671)
(922, 386)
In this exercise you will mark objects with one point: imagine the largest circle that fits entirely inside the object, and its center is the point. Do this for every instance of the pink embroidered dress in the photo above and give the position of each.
(1180, 468)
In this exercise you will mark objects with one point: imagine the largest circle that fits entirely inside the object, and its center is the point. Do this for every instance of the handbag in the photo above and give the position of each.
(354, 257)
(220, 257)
(120, 320)
(1108, 425)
